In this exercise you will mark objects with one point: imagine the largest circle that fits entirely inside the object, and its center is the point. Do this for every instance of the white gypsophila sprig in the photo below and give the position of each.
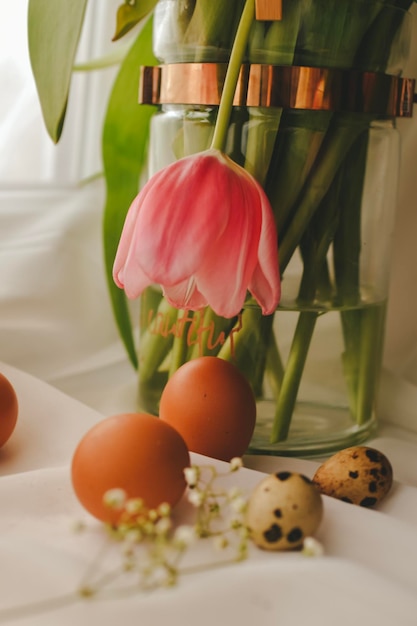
(312, 547)
(220, 512)
(152, 548)
(191, 475)
(196, 497)
(235, 464)
(184, 536)
(115, 498)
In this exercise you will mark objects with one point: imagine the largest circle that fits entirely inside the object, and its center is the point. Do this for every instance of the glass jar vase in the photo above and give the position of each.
(322, 142)
(314, 365)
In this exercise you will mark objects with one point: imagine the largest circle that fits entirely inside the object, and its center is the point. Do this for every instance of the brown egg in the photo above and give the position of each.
(283, 510)
(212, 406)
(8, 409)
(360, 475)
(135, 452)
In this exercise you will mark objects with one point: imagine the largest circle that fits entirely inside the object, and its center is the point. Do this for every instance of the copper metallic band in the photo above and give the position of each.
(293, 87)
(268, 9)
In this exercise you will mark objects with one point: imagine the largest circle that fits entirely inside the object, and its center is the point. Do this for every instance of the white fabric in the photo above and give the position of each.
(366, 576)
(55, 314)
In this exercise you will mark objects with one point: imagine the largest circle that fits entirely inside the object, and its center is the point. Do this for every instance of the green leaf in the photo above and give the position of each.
(125, 135)
(53, 33)
(109, 60)
(131, 13)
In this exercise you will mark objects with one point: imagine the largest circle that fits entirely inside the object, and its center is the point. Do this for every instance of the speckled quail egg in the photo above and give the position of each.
(360, 475)
(283, 509)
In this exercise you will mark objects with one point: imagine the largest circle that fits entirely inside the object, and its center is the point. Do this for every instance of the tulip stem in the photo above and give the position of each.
(232, 75)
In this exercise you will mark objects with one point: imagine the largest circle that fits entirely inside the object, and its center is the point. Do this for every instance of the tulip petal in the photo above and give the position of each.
(185, 295)
(225, 276)
(170, 222)
(204, 230)
(265, 284)
(133, 280)
(125, 241)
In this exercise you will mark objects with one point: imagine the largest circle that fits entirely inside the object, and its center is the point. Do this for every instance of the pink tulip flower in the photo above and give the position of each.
(203, 229)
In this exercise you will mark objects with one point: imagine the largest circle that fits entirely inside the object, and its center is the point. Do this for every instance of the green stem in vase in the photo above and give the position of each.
(274, 42)
(237, 125)
(376, 47)
(339, 138)
(156, 341)
(184, 14)
(351, 321)
(347, 240)
(262, 130)
(372, 331)
(324, 33)
(210, 30)
(300, 158)
(297, 145)
(232, 75)
(292, 377)
(197, 129)
(211, 334)
(274, 367)
(315, 282)
(346, 258)
(179, 349)
(362, 324)
(270, 42)
(247, 344)
(314, 246)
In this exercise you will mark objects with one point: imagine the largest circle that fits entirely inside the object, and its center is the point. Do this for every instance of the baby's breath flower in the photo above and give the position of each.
(115, 498)
(244, 532)
(196, 497)
(235, 523)
(162, 526)
(220, 542)
(164, 509)
(147, 527)
(134, 505)
(184, 536)
(214, 508)
(242, 553)
(132, 536)
(312, 547)
(238, 504)
(219, 516)
(191, 476)
(153, 515)
(162, 577)
(235, 464)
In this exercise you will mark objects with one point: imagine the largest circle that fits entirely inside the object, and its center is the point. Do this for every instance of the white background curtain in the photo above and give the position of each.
(55, 317)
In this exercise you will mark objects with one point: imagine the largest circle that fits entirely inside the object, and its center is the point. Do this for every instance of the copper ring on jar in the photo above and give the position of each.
(293, 87)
